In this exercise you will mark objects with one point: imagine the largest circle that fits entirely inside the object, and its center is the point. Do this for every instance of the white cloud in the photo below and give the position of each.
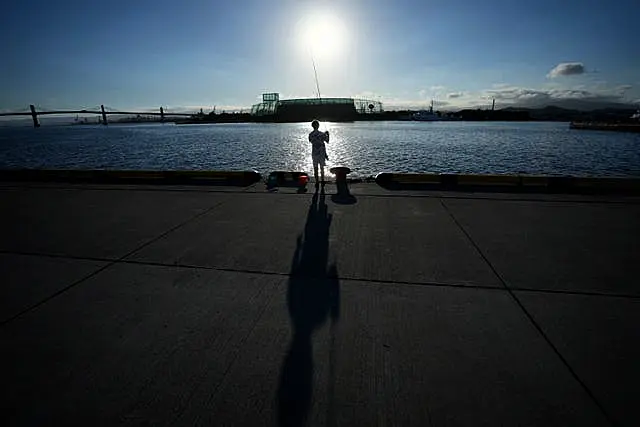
(431, 91)
(515, 93)
(576, 97)
(566, 69)
(453, 95)
(623, 89)
(394, 103)
(367, 94)
(219, 108)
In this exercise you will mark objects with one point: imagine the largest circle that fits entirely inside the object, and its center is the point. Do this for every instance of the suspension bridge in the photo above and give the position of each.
(102, 111)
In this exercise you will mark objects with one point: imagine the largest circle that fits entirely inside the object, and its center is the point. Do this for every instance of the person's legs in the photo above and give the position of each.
(318, 160)
(315, 171)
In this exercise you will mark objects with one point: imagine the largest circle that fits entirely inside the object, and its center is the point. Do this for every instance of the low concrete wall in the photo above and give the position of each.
(235, 178)
(387, 180)
(508, 183)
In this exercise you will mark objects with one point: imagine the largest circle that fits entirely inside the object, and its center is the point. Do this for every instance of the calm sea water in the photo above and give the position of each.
(366, 147)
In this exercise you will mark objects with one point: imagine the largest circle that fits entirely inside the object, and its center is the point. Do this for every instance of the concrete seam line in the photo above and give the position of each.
(246, 271)
(349, 278)
(53, 255)
(171, 230)
(497, 199)
(55, 294)
(231, 363)
(311, 276)
(575, 293)
(112, 187)
(532, 320)
(101, 269)
(245, 190)
(492, 199)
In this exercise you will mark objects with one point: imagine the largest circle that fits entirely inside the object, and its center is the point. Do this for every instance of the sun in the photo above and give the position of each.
(323, 35)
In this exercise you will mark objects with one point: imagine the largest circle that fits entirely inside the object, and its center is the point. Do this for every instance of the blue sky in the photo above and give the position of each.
(135, 54)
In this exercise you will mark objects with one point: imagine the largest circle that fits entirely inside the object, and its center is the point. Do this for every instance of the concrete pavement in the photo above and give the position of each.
(169, 305)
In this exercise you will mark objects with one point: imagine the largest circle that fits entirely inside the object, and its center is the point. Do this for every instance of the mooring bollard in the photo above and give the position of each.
(341, 178)
(340, 172)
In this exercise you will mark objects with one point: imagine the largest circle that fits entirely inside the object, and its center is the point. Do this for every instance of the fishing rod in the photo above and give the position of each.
(315, 72)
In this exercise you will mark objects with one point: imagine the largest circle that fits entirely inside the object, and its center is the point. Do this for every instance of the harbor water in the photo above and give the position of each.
(367, 147)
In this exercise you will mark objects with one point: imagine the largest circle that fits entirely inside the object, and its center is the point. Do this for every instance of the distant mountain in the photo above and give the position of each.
(622, 112)
(585, 104)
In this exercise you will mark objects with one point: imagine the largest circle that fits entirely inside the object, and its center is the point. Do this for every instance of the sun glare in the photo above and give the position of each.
(323, 35)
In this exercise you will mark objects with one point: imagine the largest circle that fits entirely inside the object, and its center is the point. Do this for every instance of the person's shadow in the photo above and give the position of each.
(313, 295)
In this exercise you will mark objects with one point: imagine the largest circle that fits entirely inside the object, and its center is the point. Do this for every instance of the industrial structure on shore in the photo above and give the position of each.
(274, 109)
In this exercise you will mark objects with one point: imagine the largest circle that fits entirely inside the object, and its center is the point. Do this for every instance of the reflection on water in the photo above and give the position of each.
(366, 147)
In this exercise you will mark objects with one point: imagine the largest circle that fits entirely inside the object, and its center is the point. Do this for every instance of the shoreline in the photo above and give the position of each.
(612, 127)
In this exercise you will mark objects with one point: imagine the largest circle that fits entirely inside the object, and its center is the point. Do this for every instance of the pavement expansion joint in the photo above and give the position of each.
(576, 293)
(109, 264)
(252, 189)
(55, 294)
(459, 285)
(236, 355)
(531, 319)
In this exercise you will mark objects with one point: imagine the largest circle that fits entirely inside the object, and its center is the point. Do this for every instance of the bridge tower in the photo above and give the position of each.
(34, 116)
(161, 114)
(104, 115)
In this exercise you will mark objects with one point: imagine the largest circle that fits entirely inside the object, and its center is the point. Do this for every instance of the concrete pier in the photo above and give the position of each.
(212, 305)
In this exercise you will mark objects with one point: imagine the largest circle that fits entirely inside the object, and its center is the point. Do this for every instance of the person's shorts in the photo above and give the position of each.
(318, 159)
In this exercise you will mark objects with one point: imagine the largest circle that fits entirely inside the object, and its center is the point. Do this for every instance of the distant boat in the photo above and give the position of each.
(428, 115)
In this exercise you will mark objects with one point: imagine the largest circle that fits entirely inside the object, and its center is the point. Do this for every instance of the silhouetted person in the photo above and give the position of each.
(318, 149)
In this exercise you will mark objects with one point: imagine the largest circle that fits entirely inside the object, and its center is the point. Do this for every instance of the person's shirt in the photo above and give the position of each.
(317, 140)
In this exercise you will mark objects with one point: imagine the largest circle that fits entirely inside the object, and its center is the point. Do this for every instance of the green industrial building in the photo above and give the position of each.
(273, 109)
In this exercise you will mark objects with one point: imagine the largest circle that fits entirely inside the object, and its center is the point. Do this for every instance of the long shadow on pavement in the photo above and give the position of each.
(313, 296)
